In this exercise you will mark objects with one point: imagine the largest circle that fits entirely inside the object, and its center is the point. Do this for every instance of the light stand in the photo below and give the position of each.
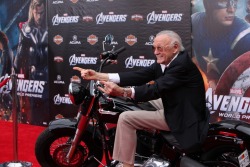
(15, 106)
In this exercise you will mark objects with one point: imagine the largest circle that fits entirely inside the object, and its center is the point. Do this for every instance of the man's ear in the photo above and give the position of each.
(176, 48)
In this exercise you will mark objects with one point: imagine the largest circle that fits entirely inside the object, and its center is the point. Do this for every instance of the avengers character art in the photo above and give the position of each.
(6, 62)
(32, 52)
(219, 37)
(31, 62)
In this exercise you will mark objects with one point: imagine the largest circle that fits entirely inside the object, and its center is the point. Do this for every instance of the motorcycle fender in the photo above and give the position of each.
(63, 124)
(188, 162)
(228, 132)
(215, 141)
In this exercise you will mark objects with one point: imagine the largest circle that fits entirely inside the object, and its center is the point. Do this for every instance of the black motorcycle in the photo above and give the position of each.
(88, 139)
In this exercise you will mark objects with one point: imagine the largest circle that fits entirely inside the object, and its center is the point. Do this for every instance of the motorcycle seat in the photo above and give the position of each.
(169, 137)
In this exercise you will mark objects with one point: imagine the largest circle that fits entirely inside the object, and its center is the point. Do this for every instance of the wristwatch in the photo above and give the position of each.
(125, 92)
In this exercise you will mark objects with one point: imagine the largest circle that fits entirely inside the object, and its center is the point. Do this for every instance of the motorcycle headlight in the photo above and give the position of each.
(77, 93)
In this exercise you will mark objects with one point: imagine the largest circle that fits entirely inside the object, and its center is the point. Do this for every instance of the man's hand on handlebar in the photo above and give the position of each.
(111, 88)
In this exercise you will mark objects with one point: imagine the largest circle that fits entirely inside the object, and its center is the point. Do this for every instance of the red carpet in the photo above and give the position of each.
(27, 135)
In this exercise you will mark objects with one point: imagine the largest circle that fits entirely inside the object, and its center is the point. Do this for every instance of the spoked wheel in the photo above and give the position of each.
(224, 156)
(52, 148)
(59, 153)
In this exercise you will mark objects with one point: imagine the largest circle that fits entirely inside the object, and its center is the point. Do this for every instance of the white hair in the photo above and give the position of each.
(174, 37)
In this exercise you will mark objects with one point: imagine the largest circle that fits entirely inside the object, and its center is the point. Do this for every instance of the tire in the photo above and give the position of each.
(222, 156)
(52, 146)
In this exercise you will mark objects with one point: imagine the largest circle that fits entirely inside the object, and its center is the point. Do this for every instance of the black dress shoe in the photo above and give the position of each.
(114, 163)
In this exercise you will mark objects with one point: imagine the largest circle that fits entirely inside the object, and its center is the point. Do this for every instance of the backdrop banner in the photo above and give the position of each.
(43, 50)
(77, 30)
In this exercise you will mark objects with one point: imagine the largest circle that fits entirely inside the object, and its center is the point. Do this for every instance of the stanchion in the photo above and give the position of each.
(15, 106)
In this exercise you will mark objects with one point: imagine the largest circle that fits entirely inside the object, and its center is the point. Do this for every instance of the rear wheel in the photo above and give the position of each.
(223, 156)
(52, 147)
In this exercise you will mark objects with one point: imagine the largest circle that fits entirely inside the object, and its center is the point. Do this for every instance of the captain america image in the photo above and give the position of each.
(219, 37)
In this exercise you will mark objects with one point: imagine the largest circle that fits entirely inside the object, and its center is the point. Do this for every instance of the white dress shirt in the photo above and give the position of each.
(114, 77)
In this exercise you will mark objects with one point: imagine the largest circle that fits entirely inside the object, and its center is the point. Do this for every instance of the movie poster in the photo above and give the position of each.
(221, 38)
(24, 53)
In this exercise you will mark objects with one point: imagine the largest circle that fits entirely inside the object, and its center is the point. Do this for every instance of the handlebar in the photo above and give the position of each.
(109, 55)
(112, 54)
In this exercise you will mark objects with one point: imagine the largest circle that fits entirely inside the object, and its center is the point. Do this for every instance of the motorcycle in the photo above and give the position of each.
(87, 140)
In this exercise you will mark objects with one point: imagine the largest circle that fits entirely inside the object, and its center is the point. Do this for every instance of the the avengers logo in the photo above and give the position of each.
(73, 60)
(130, 62)
(62, 100)
(31, 86)
(152, 17)
(131, 40)
(111, 18)
(56, 20)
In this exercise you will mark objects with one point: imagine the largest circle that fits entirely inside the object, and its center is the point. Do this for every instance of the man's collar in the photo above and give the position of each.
(163, 66)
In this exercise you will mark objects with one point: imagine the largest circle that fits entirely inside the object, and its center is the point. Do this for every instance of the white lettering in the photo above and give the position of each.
(130, 62)
(152, 17)
(61, 100)
(101, 18)
(56, 20)
(73, 60)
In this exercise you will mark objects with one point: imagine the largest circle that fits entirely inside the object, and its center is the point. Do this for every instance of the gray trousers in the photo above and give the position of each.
(128, 122)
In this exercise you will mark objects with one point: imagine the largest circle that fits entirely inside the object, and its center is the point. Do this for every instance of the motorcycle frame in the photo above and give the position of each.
(82, 122)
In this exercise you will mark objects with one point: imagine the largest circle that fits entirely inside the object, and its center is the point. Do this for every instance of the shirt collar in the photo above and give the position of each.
(163, 66)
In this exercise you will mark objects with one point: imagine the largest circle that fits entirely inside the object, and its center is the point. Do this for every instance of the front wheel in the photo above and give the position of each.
(52, 147)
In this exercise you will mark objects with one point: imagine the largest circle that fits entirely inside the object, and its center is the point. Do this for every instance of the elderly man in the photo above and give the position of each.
(177, 81)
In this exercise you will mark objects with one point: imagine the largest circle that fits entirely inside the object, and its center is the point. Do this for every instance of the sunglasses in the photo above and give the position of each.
(160, 48)
(221, 4)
